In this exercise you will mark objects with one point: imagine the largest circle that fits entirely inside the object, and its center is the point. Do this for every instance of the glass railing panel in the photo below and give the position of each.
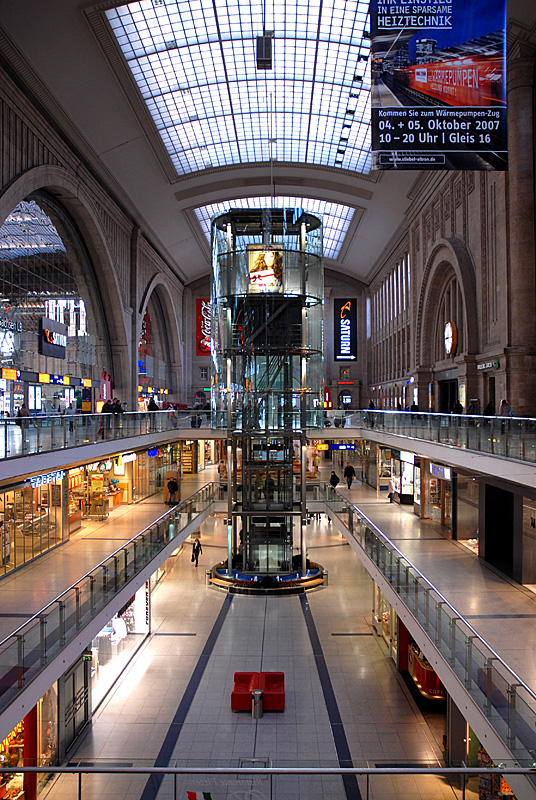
(12, 669)
(509, 705)
(26, 652)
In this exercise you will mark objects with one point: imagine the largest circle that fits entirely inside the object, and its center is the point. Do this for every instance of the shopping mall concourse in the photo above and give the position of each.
(267, 400)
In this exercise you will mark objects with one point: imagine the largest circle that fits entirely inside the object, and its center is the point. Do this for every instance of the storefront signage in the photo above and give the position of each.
(345, 329)
(346, 446)
(409, 458)
(10, 325)
(43, 377)
(154, 452)
(11, 374)
(489, 364)
(129, 457)
(440, 472)
(438, 97)
(50, 477)
(86, 383)
(52, 338)
(322, 447)
(203, 326)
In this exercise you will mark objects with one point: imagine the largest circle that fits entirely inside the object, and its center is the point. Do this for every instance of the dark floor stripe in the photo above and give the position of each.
(166, 751)
(341, 743)
(175, 634)
(352, 634)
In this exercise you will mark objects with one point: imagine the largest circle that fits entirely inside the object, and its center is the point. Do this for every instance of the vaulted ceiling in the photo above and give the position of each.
(167, 99)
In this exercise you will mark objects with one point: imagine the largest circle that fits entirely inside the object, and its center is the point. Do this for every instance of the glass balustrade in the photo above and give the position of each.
(24, 653)
(507, 702)
(500, 436)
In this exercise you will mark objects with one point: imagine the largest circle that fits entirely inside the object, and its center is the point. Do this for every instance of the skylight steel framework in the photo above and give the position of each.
(336, 218)
(194, 62)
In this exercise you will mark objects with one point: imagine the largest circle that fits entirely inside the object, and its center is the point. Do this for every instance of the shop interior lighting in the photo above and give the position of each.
(335, 218)
(194, 62)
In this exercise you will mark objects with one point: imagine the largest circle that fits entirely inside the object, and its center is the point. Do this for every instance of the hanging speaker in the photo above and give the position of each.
(264, 52)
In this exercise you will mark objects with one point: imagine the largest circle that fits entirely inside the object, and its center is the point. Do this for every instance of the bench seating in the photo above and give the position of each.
(272, 685)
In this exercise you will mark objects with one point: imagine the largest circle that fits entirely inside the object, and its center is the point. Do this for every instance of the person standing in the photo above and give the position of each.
(173, 488)
(392, 490)
(505, 409)
(349, 474)
(117, 410)
(197, 550)
(22, 417)
(106, 424)
(152, 407)
(70, 411)
(334, 479)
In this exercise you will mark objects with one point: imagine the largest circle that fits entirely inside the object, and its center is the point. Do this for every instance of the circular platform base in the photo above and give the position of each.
(258, 584)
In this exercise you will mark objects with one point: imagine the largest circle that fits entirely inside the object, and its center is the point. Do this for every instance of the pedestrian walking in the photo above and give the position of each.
(197, 550)
(349, 474)
(334, 479)
(392, 490)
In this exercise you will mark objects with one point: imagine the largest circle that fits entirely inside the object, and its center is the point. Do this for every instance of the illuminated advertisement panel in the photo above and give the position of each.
(345, 329)
(439, 84)
(265, 270)
(53, 338)
(203, 326)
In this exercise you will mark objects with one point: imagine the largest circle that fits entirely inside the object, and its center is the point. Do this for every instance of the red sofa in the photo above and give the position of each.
(244, 684)
(272, 685)
(273, 690)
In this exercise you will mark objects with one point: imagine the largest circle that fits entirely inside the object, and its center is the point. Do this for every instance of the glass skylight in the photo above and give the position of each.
(195, 63)
(335, 218)
(28, 231)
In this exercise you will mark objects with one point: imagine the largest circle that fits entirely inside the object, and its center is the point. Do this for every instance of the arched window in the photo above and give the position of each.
(47, 281)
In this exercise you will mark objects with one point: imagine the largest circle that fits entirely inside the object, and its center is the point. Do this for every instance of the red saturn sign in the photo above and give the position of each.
(203, 326)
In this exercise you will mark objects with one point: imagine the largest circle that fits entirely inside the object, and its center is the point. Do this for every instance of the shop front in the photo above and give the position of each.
(95, 490)
(404, 473)
(114, 646)
(150, 469)
(33, 518)
(385, 621)
(384, 468)
(434, 495)
(32, 743)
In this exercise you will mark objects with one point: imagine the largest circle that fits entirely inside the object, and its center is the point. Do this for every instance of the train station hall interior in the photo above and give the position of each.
(267, 402)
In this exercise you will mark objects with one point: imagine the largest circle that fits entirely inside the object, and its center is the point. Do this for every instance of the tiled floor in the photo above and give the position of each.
(142, 718)
(172, 704)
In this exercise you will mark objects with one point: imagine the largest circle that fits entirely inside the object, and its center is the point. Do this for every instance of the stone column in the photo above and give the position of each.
(521, 352)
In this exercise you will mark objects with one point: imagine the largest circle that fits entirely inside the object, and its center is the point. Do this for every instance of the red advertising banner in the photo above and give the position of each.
(203, 326)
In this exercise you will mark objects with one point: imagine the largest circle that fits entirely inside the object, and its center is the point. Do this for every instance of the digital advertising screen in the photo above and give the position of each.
(265, 270)
(439, 84)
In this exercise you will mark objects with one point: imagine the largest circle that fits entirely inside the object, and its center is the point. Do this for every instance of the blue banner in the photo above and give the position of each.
(439, 84)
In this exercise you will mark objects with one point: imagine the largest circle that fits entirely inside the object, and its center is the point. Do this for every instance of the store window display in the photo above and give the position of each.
(31, 522)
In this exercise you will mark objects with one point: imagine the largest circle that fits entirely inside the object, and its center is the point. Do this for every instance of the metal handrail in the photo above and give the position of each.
(497, 699)
(444, 600)
(167, 514)
(25, 652)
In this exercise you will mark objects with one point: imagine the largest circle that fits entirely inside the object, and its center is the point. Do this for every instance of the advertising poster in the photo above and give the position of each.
(345, 329)
(265, 270)
(439, 84)
(203, 327)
